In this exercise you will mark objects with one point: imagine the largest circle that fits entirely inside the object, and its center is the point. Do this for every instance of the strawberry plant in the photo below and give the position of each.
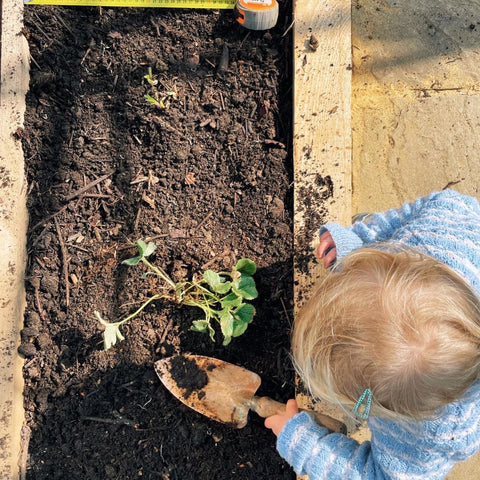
(222, 297)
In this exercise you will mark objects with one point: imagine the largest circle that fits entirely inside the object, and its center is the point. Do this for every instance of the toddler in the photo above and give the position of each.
(393, 335)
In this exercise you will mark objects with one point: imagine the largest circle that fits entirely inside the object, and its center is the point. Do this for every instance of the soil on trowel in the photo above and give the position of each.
(171, 126)
(187, 375)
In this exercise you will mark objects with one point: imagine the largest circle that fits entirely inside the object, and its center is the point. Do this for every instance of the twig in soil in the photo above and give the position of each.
(88, 186)
(63, 250)
(80, 248)
(157, 28)
(86, 54)
(243, 41)
(137, 219)
(209, 62)
(166, 330)
(213, 260)
(96, 195)
(286, 312)
(35, 62)
(289, 28)
(221, 100)
(224, 60)
(204, 220)
(191, 86)
(114, 421)
(60, 19)
(47, 219)
(39, 304)
(40, 29)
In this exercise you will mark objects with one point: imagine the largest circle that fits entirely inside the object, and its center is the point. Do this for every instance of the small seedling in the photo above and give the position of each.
(160, 99)
(222, 297)
(154, 101)
(150, 78)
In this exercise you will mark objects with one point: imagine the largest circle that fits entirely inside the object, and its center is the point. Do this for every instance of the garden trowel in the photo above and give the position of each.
(221, 390)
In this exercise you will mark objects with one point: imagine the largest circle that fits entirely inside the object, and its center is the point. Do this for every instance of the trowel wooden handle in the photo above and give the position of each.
(266, 407)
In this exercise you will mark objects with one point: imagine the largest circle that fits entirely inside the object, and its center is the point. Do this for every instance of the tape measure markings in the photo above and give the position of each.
(252, 14)
(210, 4)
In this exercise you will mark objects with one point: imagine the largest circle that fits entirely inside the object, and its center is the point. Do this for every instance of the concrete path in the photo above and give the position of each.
(416, 108)
(415, 116)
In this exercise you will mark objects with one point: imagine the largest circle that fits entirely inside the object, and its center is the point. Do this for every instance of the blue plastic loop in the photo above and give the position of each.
(365, 401)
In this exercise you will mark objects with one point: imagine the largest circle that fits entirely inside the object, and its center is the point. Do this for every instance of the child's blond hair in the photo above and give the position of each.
(402, 324)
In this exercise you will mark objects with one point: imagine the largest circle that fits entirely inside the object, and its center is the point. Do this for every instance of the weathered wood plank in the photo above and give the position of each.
(14, 66)
(322, 127)
(322, 139)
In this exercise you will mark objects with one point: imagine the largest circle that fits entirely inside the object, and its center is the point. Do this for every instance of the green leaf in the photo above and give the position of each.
(211, 332)
(239, 328)
(211, 277)
(223, 288)
(154, 101)
(200, 326)
(145, 249)
(247, 266)
(226, 322)
(216, 282)
(245, 287)
(132, 261)
(203, 326)
(142, 246)
(244, 313)
(231, 300)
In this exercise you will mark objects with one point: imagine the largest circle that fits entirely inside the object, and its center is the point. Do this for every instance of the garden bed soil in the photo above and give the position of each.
(208, 178)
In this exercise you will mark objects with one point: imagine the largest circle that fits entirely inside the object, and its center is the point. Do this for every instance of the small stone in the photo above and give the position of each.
(27, 349)
(277, 208)
(29, 332)
(313, 42)
(43, 341)
(49, 284)
(32, 319)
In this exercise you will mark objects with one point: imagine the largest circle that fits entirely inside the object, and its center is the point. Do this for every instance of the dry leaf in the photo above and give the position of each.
(152, 179)
(190, 179)
(269, 141)
(178, 233)
(148, 200)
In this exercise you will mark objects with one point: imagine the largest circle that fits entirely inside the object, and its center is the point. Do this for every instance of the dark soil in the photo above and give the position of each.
(208, 179)
(187, 375)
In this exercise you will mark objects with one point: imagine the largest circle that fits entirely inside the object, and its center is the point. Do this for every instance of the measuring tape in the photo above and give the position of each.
(252, 14)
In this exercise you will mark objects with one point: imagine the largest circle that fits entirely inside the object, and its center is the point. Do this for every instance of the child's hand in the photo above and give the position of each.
(277, 422)
(326, 249)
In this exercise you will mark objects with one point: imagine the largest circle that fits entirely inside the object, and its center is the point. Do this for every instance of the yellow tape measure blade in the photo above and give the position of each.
(208, 4)
(252, 14)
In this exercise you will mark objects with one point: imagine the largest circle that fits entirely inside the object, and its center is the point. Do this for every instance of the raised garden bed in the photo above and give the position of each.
(208, 179)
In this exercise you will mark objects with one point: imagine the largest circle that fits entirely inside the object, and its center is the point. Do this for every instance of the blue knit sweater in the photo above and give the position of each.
(444, 225)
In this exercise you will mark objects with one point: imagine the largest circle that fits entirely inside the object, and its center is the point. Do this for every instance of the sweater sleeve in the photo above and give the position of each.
(313, 450)
(380, 227)
(395, 455)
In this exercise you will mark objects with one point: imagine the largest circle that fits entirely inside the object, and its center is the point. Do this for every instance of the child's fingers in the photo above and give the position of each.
(329, 257)
(326, 243)
(291, 408)
(277, 422)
